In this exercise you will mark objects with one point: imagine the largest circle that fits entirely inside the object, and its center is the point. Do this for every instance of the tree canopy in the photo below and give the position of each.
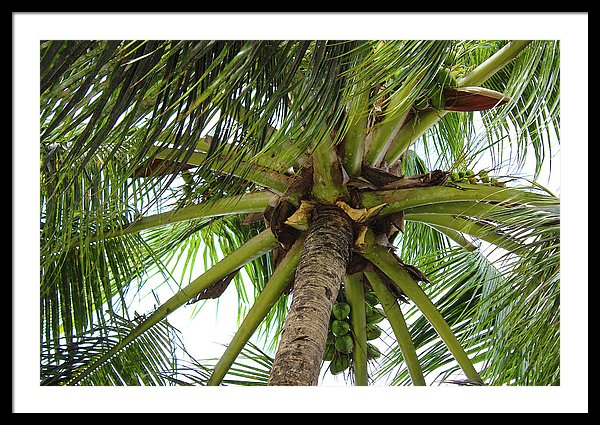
(153, 152)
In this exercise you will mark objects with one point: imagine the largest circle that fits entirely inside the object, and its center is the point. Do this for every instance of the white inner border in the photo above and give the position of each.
(570, 28)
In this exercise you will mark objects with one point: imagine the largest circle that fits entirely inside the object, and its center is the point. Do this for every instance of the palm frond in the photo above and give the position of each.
(533, 83)
(170, 94)
(455, 291)
(251, 368)
(200, 244)
(78, 278)
(482, 298)
(252, 249)
(146, 361)
(193, 245)
(419, 239)
(133, 130)
(262, 307)
(389, 264)
(531, 80)
(451, 142)
(528, 303)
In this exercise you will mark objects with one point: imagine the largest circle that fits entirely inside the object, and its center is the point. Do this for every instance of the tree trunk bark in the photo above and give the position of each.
(317, 282)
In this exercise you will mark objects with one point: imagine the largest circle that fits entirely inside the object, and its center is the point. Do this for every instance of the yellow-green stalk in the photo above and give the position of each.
(387, 263)
(424, 120)
(279, 280)
(395, 317)
(356, 298)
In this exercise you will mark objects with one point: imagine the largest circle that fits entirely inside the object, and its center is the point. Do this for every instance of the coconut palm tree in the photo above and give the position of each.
(337, 184)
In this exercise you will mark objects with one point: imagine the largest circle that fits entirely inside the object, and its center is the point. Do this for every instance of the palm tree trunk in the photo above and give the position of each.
(318, 278)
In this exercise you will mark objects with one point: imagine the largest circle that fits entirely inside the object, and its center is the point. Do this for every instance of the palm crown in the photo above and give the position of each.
(274, 155)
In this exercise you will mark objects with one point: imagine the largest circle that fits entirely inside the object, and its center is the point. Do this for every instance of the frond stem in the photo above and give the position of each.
(353, 145)
(384, 133)
(231, 205)
(279, 280)
(355, 294)
(456, 236)
(396, 318)
(327, 175)
(387, 263)
(400, 199)
(483, 231)
(262, 176)
(424, 120)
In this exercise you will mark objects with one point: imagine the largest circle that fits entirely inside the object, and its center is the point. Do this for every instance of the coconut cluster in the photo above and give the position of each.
(469, 176)
(340, 338)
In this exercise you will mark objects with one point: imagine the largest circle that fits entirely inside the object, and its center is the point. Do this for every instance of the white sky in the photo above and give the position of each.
(30, 28)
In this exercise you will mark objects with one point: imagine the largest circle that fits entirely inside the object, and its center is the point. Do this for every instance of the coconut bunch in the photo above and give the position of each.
(469, 176)
(340, 338)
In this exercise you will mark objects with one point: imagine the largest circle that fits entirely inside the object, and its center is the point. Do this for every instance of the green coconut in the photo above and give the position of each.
(340, 363)
(371, 298)
(495, 182)
(373, 332)
(484, 176)
(341, 310)
(344, 344)
(340, 327)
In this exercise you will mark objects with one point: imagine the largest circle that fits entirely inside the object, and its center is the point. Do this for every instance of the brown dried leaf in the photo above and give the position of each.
(361, 183)
(284, 234)
(215, 290)
(302, 182)
(376, 176)
(468, 99)
(360, 215)
(433, 178)
(360, 242)
(301, 217)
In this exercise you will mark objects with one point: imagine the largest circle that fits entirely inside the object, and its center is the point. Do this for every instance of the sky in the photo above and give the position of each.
(30, 28)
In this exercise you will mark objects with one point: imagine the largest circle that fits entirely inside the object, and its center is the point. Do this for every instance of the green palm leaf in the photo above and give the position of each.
(147, 361)
(481, 299)
(250, 369)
